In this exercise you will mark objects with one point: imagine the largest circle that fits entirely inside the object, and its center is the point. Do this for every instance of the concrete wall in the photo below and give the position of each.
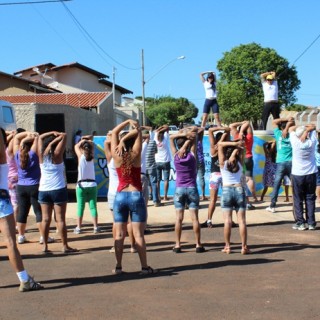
(75, 118)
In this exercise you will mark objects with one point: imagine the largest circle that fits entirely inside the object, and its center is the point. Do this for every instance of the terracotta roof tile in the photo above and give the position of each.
(78, 100)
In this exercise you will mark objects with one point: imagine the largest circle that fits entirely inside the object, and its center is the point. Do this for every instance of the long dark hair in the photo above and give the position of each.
(87, 150)
(4, 136)
(24, 154)
(46, 141)
(232, 167)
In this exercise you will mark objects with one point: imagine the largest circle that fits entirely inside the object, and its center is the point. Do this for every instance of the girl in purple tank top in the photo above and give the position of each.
(184, 147)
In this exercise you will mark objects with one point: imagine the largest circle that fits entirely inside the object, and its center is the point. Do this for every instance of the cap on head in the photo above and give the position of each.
(269, 77)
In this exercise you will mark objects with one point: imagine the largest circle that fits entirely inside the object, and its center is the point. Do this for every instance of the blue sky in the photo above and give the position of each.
(165, 29)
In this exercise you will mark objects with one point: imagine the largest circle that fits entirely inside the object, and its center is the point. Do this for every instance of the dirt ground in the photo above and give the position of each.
(279, 280)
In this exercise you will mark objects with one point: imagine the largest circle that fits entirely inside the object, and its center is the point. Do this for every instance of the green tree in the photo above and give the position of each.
(296, 107)
(169, 110)
(239, 85)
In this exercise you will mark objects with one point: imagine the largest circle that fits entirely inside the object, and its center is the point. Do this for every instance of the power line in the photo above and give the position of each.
(90, 38)
(30, 2)
(312, 43)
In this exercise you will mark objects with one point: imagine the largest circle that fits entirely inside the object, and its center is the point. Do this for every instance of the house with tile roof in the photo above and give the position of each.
(65, 98)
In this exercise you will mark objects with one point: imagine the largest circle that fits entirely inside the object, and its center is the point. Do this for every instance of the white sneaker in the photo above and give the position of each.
(273, 210)
(21, 239)
(77, 230)
(97, 230)
(50, 240)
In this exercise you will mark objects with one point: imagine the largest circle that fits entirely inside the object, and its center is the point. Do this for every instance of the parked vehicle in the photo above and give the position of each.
(173, 128)
(7, 116)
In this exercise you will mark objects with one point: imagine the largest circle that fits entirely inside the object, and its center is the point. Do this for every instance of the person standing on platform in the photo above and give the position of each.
(210, 88)
(270, 92)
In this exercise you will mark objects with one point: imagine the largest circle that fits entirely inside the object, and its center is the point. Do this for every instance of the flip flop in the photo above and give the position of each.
(148, 271)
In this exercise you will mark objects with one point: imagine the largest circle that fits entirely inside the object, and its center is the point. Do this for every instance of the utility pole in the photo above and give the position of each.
(143, 93)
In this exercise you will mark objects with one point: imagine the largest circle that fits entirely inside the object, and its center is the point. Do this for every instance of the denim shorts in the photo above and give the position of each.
(165, 168)
(211, 104)
(186, 196)
(53, 197)
(5, 204)
(233, 198)
(129, 203)
(215, 180)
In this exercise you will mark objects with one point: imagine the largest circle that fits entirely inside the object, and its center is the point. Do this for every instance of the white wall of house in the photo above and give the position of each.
(79, 79)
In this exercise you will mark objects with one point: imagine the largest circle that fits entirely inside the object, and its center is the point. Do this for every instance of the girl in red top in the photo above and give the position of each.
(126, 152)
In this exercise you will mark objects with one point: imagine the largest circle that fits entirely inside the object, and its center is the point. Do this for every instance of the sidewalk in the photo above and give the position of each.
(279, 280)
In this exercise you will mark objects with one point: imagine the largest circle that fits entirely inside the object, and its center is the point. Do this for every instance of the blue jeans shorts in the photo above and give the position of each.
(165, 168)
(186, 196)
(58, 196)
(129, 203)
(233, 198)
(5, 204)
(211, 104)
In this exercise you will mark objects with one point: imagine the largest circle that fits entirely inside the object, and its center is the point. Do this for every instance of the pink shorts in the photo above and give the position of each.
(215, 180)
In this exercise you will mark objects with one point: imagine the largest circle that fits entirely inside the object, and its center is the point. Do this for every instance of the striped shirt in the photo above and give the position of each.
(150, 155)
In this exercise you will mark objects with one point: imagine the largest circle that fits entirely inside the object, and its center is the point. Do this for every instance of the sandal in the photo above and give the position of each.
(69, 250)
(200, 249)
(148, 270)
(226, 250)
(245, 250)
(176, 249)
(117, 270)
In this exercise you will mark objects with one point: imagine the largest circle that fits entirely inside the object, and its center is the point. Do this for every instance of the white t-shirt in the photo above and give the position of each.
(53, 176)
(86, 172)
(303, 155)
(113, 178)
(143, 156)
(210, 92)
(270, 91)
(229, 177)
(163, 154)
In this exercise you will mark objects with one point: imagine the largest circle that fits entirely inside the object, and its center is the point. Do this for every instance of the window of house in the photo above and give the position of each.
(7, 114)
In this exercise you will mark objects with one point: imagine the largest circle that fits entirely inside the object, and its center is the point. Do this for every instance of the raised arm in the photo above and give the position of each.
(224, 144)
(202, 74)
(234, 127)
(264, 75)
(17, 140)
(60, 140)
(107, 147)
(79, 146)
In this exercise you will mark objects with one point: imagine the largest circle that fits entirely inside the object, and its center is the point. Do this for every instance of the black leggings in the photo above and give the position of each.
(27, 196)
(270, 108)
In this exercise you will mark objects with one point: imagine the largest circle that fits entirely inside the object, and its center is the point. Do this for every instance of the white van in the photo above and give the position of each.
(7, 116)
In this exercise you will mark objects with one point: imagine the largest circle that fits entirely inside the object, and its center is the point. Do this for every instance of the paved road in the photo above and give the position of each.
(279, 280)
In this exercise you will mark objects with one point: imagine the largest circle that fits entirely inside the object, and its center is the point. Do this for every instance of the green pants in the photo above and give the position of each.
(87, 195)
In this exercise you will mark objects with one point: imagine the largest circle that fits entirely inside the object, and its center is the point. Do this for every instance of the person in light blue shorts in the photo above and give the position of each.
(7, 224)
